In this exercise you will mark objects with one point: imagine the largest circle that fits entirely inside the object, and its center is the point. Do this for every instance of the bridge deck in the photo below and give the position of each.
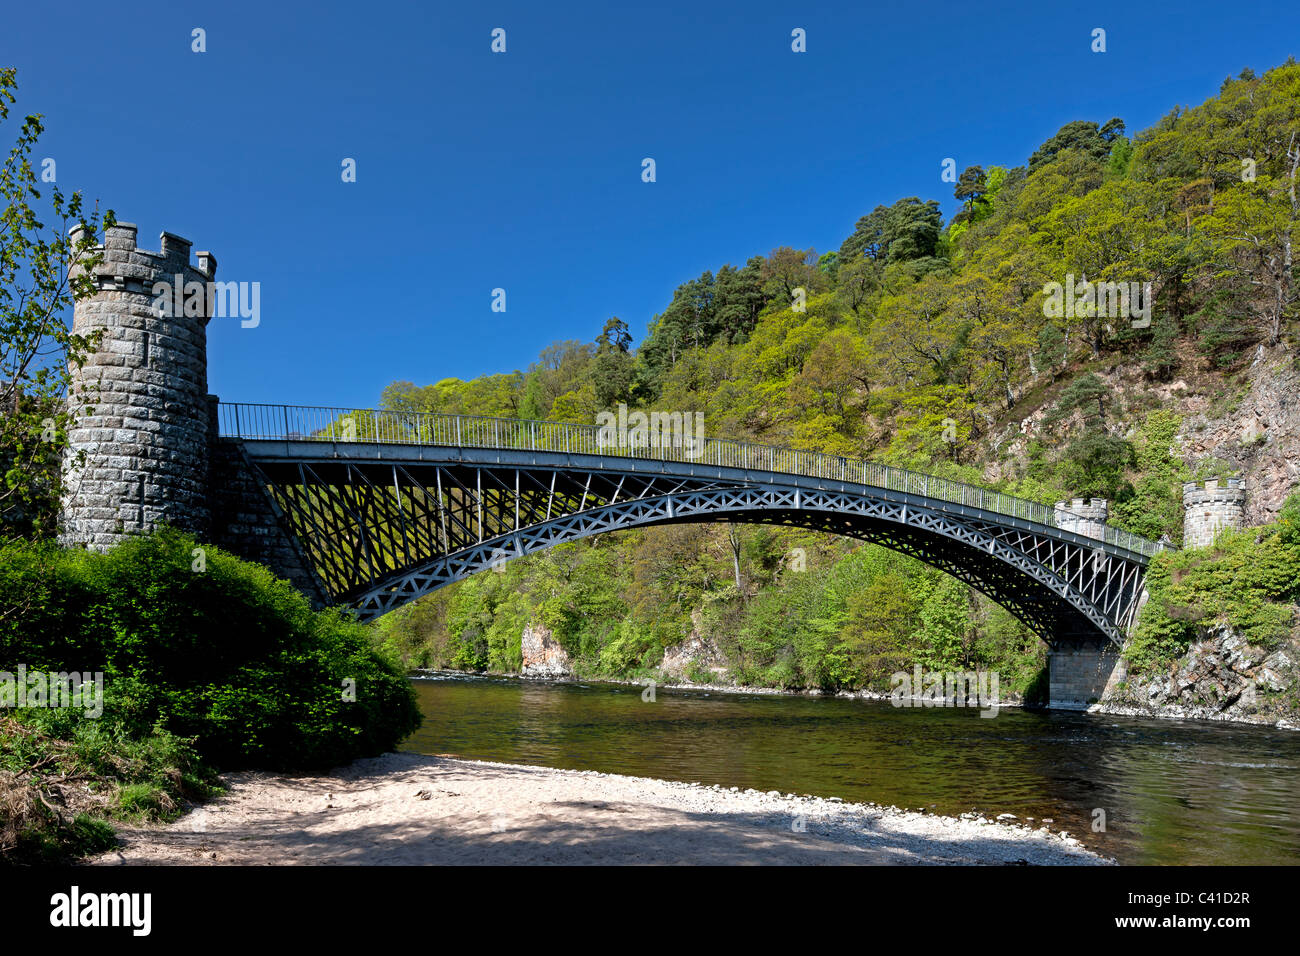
(354, 427)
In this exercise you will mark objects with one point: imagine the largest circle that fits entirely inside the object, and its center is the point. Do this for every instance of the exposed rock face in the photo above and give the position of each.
(690, 655)
(1260, 436)
(1221, 677)
(1256, 431)
(543, 655)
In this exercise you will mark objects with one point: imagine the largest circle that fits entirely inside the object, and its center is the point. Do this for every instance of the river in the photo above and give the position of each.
(1173, 792)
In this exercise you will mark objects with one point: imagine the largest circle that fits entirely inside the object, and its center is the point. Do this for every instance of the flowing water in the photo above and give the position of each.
(1172, 791)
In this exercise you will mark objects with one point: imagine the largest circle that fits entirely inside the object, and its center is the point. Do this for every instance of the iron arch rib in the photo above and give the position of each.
(382, 533)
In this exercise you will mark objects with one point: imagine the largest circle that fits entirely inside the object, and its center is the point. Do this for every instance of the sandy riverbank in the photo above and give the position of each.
(412, 809)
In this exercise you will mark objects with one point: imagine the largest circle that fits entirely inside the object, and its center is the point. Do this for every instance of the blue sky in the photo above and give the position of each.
(522, 170)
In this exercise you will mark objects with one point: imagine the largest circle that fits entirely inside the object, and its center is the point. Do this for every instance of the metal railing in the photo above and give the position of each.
(320, 423)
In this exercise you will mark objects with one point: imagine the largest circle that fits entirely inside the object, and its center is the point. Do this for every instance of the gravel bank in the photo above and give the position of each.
(412, 809)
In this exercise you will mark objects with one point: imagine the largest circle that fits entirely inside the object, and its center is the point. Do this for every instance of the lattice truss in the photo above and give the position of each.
(379, 534)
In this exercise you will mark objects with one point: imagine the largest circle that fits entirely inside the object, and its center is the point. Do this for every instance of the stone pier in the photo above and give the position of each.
(1079, 671)
(1079, 667)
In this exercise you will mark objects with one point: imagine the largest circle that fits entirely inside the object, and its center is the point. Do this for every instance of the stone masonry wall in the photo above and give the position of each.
(140, 399)
(1083, 516)
(246, 523)
(1211, 506)
(1078, 673)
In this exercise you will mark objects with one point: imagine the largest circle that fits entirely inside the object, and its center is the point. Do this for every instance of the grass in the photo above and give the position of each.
(64, 777)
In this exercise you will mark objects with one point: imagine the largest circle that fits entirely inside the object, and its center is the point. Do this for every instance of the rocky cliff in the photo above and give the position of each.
(1248, 421)
(691, 657)
(1221, 677)
(542, 654)
(1255, 431)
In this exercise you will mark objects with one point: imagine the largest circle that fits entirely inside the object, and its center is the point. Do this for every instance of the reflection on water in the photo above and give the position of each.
(1172, 791)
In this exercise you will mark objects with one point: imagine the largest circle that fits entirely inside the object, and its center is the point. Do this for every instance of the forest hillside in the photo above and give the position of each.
(965, 348)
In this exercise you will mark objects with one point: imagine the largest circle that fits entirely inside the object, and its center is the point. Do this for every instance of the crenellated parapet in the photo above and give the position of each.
(1085, 516)
(1209, 507)
(138, 452)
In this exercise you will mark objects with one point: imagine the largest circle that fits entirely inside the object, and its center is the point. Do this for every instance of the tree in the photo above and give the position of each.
(857, 281)
(880, 618)
(1255, 230)
(704, 310)
(491, 395)
(1080, 394)
(613, 371)
(1094, 464)
(38, 349)
(561, 367)
(1083, 135)
(909, 229)
(943, 624)
(688, 322)
(1052, 347)
(738, 300)
(614, 336)
(1156, 507)
(788, 269)
(914, 337)
(1121, 158)
(734, 544)
(835, 376)
(970, 189)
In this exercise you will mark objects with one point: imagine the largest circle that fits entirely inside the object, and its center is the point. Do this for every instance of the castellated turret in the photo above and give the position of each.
(1211, 506)
(140, 400)
(1083, 516)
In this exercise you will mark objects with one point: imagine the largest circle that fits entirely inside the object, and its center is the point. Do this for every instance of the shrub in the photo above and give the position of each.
(1248, 579)
(699, 673)
(141, 801)
(228, 655)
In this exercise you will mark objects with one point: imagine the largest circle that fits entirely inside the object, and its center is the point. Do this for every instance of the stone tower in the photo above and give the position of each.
(1083, 516)
(1211, 506)
(140, 400)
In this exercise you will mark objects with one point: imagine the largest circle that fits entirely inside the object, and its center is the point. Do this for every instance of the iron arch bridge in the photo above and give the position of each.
(387, 506)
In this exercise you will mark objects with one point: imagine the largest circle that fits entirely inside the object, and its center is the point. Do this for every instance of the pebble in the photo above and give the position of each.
(934, 837)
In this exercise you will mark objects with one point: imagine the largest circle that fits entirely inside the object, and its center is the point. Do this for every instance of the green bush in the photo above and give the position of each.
(698, 673)
(1248, 579)
(48, 844)
(226, 655)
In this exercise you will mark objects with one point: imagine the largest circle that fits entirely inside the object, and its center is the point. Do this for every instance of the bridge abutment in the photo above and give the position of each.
(143, 446)
(246, 522)
(1079, 671)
